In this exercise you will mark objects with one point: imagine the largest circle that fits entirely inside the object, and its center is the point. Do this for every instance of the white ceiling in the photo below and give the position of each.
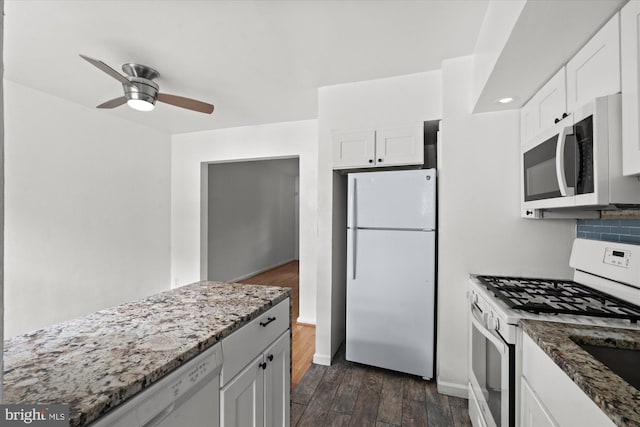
(256, 61)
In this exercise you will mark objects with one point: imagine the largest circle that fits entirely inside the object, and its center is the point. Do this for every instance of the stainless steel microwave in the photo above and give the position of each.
(578, 162)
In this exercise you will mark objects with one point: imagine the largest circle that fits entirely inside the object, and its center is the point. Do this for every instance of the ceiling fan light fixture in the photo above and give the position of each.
(140, 104)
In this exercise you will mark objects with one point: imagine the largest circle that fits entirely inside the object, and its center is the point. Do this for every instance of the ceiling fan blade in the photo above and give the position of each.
(188, 103)
(113, 103)
(104, 67)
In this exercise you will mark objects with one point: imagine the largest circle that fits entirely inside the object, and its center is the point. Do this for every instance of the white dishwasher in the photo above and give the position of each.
(188, 396)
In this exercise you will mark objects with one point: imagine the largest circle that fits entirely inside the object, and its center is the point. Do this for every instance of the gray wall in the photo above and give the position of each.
(252, 217)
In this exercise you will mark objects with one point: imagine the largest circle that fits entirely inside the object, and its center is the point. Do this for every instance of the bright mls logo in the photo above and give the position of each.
(36, 415)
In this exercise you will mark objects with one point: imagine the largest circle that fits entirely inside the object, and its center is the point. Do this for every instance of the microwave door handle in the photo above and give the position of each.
(560, 172)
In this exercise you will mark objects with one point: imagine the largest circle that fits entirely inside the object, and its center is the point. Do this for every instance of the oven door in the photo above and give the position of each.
(491, 375)
(549, 168)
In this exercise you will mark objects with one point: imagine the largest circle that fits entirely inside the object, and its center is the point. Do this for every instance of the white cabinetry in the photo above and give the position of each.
(630, 43)
(402, 145)
(595, 70)
(256, 373)
(532, 412)
(545, 107)
(550, 397)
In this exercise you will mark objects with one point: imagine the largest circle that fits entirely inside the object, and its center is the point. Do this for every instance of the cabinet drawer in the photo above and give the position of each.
(242, 346)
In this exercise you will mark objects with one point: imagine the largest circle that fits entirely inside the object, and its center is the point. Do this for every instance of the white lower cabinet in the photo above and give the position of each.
(259, 395)
(256, 372)
(242, 400)
(532, 412)
(549, 397)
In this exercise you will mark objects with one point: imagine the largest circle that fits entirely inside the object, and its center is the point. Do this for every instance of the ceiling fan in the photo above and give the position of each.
(141, 92)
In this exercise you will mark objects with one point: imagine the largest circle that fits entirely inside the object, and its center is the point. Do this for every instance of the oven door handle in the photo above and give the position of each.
(479, 324)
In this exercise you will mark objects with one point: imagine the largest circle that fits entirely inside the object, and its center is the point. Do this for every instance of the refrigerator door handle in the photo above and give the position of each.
(354, 226)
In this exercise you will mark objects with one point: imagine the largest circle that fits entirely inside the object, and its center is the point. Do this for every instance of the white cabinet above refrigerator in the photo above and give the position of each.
(389, 146)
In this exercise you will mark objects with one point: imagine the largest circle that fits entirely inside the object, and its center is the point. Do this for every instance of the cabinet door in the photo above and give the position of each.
(353, 149)
(242, 399)
(630, 30)
(595, 70)
(542, 110)
(277, 383)
(400, 146)
(532, 412)
(561, 397)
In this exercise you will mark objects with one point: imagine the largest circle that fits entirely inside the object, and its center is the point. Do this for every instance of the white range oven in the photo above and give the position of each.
(605, 291)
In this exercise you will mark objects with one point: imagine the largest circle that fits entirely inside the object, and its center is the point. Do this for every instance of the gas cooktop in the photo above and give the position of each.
(558, 297)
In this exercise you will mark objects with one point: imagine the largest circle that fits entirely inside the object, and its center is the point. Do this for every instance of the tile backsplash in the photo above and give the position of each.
(610, 230)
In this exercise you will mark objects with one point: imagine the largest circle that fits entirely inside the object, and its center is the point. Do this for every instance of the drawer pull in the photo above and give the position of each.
(269, 320)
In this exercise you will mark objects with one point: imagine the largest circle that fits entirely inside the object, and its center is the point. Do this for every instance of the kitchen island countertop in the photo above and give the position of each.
(613, 395)
(96, 362)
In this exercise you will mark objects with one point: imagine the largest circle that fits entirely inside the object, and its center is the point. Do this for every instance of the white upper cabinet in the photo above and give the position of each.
(402, 145)
(546, 107)
(630, 43)
(354, 149)
(595, 70)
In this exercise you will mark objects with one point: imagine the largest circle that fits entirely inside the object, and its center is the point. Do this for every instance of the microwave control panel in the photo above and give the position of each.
(617, 257)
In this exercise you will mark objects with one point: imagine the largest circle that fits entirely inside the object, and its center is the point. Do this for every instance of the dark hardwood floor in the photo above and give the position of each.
(350, 394)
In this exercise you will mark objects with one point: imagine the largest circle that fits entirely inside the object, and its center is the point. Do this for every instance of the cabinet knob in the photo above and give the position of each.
(529, 212)
(565, 115)
(380, 160)
(270, 358)
(556, 120)
(263, 365)
(370, 160)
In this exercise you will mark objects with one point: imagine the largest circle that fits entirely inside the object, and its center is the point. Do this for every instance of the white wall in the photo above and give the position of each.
(87, 210)
(362, 105)
(480, 229)
(251, 217)
(193, 150)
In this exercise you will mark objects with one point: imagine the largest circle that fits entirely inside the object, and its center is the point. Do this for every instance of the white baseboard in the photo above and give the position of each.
(322, 359)
(262, 270)
(453, 389)
(306, 321)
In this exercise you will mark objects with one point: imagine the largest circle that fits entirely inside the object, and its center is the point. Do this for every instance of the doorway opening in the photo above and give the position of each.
(251, 224)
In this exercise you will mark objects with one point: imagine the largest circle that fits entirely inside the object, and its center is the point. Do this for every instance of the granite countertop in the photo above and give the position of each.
(96, 362)
(619, 400)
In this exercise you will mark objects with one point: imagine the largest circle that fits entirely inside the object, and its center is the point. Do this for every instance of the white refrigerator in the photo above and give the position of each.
(391, 241)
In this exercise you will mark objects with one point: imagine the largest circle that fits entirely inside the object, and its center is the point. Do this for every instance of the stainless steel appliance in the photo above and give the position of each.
(578, 162)
(605, 290)
(391, 270)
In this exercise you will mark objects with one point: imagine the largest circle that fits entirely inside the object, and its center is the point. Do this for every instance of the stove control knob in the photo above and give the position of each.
(473, 297)
(492, 322)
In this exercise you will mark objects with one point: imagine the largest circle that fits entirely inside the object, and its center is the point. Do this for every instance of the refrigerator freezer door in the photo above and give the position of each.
(390, 299)
(392, 199)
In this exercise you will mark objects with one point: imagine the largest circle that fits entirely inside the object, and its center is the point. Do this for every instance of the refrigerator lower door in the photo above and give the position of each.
(390, 299)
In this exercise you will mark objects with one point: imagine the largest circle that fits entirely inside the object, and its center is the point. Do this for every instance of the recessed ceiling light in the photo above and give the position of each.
(505, 100)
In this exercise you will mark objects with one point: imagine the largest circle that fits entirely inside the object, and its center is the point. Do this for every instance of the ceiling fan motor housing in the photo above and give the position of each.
(142, 89)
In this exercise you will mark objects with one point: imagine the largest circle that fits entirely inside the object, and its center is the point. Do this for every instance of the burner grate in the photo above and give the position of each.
(558, 297)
